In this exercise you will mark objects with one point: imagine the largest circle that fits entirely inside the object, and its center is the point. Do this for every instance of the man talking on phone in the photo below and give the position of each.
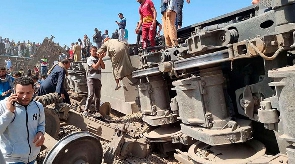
(22, 124)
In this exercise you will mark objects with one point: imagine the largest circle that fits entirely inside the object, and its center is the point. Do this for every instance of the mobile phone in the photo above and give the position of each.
(13, 92)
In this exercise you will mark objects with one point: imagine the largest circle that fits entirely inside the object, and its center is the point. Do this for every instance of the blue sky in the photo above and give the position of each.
(69, 20)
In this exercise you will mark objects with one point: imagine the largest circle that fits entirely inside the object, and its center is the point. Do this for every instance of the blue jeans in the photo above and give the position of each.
(32, 162)
(44, 70)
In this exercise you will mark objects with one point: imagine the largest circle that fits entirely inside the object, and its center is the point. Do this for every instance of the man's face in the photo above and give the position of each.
(139, 1)
(120, 16)
(2, 73)
(93, 51)
(24, 93)
(68, 65)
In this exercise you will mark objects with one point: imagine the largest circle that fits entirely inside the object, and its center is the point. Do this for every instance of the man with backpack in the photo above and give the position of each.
(97, 38)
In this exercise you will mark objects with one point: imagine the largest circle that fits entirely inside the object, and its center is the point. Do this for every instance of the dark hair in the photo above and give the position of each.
(17, 74)
(2, 68)
(120, 14)
(35, 78)
(24, 81)
(93, 47)
(65, 61)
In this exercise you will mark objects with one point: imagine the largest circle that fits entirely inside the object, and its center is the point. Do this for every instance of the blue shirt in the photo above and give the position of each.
(6, 85)
(122, 23)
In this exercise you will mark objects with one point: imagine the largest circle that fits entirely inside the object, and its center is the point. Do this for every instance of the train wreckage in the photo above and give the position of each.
(225, 95)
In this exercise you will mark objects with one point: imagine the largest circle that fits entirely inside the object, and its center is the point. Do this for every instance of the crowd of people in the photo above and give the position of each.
(20, 49)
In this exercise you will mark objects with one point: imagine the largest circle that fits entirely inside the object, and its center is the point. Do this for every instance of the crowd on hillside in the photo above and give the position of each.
(21, 49)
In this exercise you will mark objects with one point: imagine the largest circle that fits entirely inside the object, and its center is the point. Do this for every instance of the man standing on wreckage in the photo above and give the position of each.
(118, 52)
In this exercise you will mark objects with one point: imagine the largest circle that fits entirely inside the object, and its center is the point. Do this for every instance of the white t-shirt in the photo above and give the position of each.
(8, 64)
(90, 61)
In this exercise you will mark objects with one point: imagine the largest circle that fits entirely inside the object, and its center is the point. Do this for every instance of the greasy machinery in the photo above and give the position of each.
(224, 95)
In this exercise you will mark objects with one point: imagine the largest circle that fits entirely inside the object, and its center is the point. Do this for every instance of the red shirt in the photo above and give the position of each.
(71, 52)
(145, 10)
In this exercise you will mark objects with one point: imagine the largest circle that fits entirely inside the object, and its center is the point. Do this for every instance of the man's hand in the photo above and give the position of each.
(101, 55)
(5, 93)
(137, 30)
(39, 139)
(10, 102)
(62, 96)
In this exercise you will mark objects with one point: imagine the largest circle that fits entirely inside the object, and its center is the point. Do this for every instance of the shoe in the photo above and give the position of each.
(117, 87)
(97, 115)
(86, 113)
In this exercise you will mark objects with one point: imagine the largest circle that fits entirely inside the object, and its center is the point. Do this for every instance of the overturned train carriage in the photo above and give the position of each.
(225, 95)
(228, 86)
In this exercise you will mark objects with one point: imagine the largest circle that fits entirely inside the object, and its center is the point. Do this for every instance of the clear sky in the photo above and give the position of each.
(69, 20)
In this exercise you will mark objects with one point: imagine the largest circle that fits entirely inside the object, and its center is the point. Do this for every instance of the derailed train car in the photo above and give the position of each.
(225, 95)
(229, 86)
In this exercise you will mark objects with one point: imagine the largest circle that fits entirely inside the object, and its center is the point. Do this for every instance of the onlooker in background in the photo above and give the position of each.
(17, 75)
(158, 32)
(147, 22)
(22, 125)
(7, 47)
(22, 72)
(8, 63)
(169, 10)
(29, 72)
(6, 84)
(44, 65)
(36, 71)
(115, 35)
(105, 35)
(71, 52)
(122, 26)
(178, 21)
(77, 52)
(36, 85)
(56, 81)
(118, 52)
(95, 64)
(62, 56)
(126, 36)
(87, 45)
(97, 38)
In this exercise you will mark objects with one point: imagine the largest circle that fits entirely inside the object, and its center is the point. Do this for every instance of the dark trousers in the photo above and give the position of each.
(94, 87)
(179, 13)
(87, 48)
